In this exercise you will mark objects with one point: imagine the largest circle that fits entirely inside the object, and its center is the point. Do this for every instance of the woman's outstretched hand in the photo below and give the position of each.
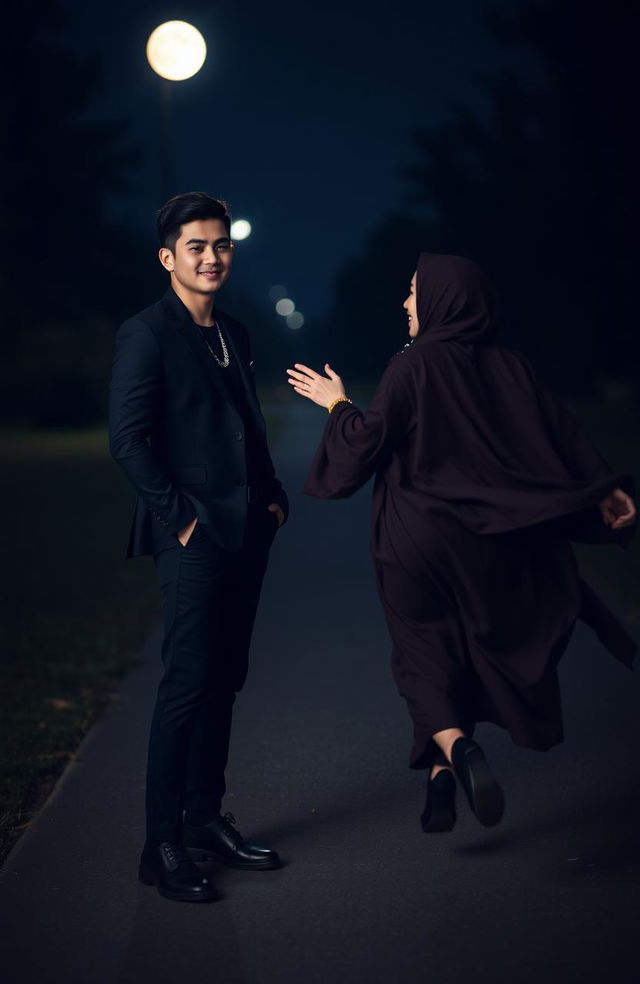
(618, 509)
(322, 390)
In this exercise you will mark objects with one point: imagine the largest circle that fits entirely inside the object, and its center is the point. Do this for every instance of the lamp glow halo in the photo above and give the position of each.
(240, 229)
(176, 50)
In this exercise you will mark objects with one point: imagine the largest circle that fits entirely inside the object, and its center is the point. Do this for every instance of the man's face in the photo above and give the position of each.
(201, 261)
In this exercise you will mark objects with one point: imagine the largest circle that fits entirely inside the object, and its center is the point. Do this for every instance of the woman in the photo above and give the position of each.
(482, 480)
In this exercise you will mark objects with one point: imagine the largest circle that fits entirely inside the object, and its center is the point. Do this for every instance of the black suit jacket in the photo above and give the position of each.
(176, 433)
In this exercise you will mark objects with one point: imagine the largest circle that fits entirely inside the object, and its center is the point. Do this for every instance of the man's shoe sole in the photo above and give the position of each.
(147, 877)
(199, 854)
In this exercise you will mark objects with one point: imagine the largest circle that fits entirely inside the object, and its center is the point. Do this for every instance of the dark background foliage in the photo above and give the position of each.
(542, 190)
(533, 172)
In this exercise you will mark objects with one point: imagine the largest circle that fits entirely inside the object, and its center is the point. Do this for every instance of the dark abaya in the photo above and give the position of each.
(481, 481)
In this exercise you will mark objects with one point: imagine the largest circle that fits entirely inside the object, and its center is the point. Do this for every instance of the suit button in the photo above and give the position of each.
(238, 435)
(241, 481)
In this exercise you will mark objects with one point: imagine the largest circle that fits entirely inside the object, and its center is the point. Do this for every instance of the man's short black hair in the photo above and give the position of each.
(190, 207)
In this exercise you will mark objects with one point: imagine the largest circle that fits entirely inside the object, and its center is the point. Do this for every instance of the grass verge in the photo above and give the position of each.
(74, 612)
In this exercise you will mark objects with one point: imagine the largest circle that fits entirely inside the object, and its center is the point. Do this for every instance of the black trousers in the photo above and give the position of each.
(209, 602)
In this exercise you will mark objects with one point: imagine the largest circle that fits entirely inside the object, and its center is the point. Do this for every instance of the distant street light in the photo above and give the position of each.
(176, 51)
(277, 292)
(240, 229)
(295, 320)
(285, 307)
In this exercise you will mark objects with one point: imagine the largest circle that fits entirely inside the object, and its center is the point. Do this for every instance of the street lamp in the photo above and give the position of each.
(285, 307)
(176, 51)
(240, 229)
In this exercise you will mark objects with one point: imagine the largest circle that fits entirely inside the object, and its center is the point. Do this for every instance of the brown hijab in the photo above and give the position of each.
(455, 302)
(501, 447)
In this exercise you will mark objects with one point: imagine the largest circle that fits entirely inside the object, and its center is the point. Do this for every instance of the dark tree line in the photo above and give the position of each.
(543, 192)
(69, 274)
(60, 252)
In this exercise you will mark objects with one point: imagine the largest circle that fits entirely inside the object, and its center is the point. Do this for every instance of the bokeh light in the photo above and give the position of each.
(285, 306)
(277, 292)
(295, 320)
(240, 229)
(176, 50)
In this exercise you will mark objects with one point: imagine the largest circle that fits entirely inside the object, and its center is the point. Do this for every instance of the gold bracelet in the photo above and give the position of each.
(340, 399)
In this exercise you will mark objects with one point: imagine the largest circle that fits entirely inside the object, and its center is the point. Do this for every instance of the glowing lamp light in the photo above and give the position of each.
(240, 229)
(176, 50)
(285, 307)
(295, 320)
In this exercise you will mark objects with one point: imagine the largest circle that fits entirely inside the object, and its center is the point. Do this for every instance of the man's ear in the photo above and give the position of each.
(166, 258)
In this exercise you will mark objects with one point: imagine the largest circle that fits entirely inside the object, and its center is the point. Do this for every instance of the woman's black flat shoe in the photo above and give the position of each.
(439, 814)
(485, 796)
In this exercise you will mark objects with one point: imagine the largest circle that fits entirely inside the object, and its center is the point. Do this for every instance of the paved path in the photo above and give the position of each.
(318, 769)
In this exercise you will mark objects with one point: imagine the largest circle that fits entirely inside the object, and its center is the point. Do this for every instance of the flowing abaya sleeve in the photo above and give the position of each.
(356, 444)
(584, 463)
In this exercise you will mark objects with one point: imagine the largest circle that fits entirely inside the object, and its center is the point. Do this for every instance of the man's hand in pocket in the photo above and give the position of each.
(277, 510)
(185, 535)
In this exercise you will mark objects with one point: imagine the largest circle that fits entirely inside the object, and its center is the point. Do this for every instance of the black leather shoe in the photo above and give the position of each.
(483, 792)
(219, 841)
(174, 874)
(439, 814)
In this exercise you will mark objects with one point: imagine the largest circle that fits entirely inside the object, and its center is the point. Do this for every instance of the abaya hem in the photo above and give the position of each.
(425, 752)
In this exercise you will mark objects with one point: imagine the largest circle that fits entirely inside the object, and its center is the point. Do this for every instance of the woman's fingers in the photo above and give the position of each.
(625, 520)
(621, 522)
(608, 511)
(305, 374)
(623, 509)
(301, 391)
(311, 373)
(299, 387)
(298, 376)
(316, 387)
(618, 509)
(628, 506)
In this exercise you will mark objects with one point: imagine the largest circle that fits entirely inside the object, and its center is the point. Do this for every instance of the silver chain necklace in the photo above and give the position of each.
(225, 352)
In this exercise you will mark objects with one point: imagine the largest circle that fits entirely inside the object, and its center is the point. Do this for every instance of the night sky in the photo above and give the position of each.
(301, 117)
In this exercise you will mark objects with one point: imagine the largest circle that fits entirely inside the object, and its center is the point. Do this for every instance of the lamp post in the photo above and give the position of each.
(175, 51)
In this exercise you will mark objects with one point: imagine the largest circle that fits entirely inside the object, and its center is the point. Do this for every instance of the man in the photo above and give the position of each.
(186, 427)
